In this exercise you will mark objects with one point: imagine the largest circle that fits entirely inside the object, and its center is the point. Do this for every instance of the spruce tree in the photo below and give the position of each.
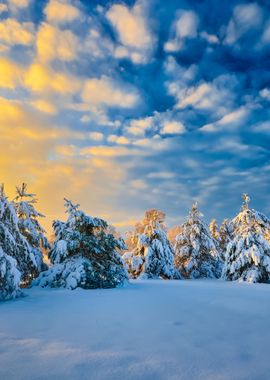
(214, 231)
(152, 255)
(225, 236)
(9, 277)
(196, 253)
(83, 255)
(29, 226)
(248, 254)
(12, 242)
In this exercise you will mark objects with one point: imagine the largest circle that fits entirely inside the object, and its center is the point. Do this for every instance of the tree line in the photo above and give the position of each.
(87, 252)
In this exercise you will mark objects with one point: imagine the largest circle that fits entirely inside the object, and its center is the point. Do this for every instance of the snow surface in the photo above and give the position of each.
(152, 329)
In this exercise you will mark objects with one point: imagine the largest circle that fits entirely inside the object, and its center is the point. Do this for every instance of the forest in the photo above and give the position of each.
(86, 252)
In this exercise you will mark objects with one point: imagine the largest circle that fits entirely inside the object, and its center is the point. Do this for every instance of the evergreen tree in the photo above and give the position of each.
(83, 254)
(12, 241)
(152, 255)
(29, 225)
(248, 254)
(9, 277)
(225, 236)
(214, 231)
(196, 253)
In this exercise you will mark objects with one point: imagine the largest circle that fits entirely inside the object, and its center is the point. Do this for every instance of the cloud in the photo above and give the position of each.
(185, 26)
(266, 34)
(218, 96)
(108, 151)
(161, 175)
(132, 30)
(96, 136)
(42, 79)
(3, 8)
(11, 74)
(121, 140)
(172, 127)
(19, 3)
(107, 92)
(232, 119)
(14, 33)
(61, 11)
(244, 18)
(44, 106)
(138, 127)
(53, 43)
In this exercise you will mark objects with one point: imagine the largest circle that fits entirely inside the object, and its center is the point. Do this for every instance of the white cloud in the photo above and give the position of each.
(61, 11)
(218, 96)
(133, 31)
(137, 127)
(266, 34)
(186, 26)
(244, 18)
(107, 92)
(211, 38)
(265, 93)
(161, 175)
(172, 127)
(234, 118)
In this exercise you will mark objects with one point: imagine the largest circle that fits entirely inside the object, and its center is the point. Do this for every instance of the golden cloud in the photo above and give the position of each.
(53, 43)
(14, 33)
(60, 11)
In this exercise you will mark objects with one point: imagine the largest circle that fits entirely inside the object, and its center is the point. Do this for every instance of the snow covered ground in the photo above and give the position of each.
(148, 330)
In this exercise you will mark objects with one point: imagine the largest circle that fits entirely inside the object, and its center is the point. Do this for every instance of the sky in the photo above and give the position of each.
(123, 106)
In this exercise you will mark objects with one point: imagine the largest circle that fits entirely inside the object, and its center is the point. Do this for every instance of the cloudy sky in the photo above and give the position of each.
(124, 106)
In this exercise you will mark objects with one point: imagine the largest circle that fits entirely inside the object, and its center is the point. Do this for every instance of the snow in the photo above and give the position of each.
(151, 329)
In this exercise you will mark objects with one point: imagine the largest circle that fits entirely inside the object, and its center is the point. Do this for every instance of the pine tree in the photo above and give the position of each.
(83, 255)
(29, 225)
(214, 231)
(196, 252)
(248, 254)
(12, 241)
(226, 235)
(9, 277)
(152, 255)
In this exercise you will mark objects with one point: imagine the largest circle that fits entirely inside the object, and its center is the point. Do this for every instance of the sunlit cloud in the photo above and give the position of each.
(105, 91)
(11, 74)
(3, 8)
(61, 11)
(53, 43)
(13, 32)
(132, 30)
(43, 79)
(100, 101)
(19, 3)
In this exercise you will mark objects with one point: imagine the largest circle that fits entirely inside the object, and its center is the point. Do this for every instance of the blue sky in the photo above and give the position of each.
(124, 106)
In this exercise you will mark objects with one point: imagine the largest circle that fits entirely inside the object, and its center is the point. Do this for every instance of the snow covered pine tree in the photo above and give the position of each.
(196, 252)
(9, 277)
(29, 225)
(225, 236)
(12, 242)
(248, 254)
(152, 255)
(84, 254)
